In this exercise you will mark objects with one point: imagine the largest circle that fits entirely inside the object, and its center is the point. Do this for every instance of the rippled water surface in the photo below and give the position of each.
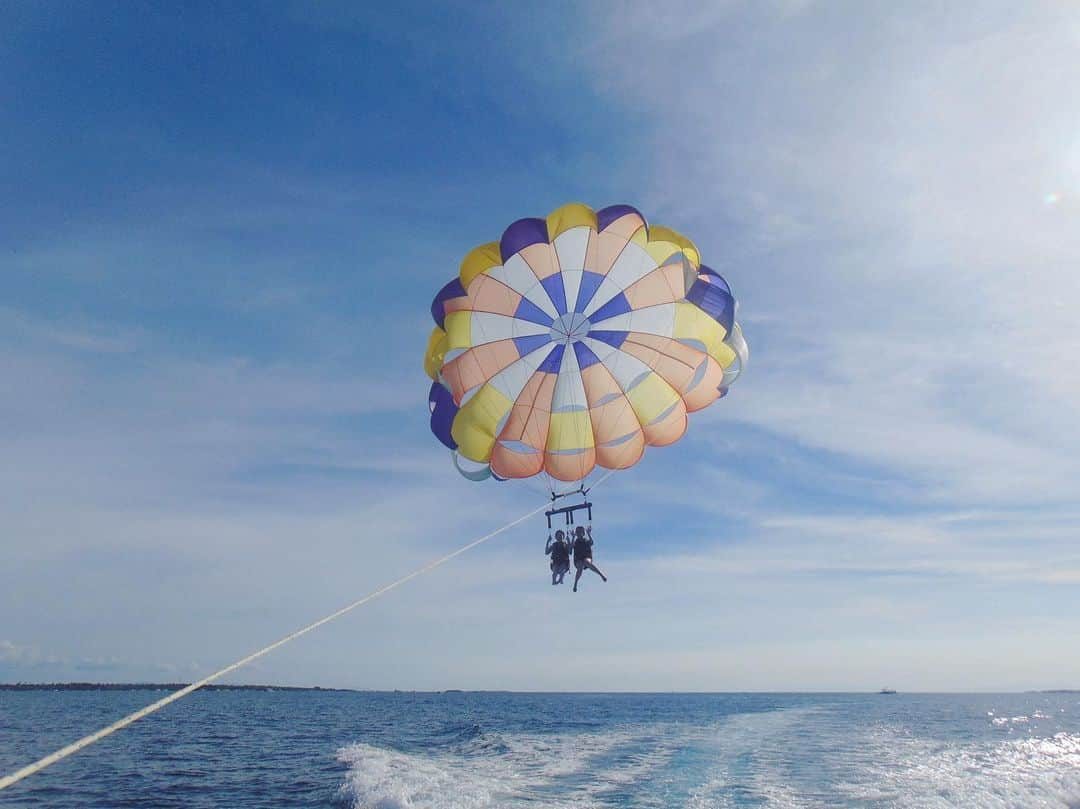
(344, 749)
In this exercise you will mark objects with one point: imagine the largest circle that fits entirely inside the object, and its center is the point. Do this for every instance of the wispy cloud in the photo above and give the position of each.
(880, 188)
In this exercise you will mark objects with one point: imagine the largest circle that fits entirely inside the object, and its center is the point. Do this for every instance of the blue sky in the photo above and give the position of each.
(220, 233)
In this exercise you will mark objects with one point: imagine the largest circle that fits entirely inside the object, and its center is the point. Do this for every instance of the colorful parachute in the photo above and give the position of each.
(576, 341)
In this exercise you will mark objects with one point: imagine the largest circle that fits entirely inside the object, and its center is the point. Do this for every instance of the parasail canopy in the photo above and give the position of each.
(576, 341)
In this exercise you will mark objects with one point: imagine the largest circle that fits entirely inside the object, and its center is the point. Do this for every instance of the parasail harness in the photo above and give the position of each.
(568, 511)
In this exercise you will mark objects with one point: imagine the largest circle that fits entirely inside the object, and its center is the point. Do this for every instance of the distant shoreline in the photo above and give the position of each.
(155, 687)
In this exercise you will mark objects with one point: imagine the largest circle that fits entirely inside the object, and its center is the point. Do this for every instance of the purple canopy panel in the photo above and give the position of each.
(520, 235)
(453, 289)
(443, 411)
(715, 301)
(605, 216)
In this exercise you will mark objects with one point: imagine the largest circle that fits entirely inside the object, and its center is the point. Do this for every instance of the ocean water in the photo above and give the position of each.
(472, 750)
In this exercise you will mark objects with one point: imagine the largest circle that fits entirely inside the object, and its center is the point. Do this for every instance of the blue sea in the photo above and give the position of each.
(471, 750)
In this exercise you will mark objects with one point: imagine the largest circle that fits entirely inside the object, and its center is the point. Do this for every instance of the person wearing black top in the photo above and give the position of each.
(583, 555)
(559, 551)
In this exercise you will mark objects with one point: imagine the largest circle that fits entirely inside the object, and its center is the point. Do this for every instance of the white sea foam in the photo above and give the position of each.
(535, 770)
(1016, 774)
(385, 779)
(750, 753)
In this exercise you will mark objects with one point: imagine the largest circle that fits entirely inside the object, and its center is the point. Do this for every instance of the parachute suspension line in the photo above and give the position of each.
(86, 741)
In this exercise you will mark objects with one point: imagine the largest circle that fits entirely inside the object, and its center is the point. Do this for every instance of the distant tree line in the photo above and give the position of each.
(152, 687)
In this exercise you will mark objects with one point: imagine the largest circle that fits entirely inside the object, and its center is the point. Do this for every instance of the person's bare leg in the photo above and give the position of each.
(596, 570)
(577, 578)
(554, 576)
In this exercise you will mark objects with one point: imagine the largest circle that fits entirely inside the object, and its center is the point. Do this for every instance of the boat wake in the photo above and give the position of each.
(784, 759)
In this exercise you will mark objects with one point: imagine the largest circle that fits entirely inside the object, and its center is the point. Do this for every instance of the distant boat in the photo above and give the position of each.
(887, 691)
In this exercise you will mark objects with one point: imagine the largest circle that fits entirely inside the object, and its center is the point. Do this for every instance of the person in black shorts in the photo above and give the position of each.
(583, 555)
(559, 551)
